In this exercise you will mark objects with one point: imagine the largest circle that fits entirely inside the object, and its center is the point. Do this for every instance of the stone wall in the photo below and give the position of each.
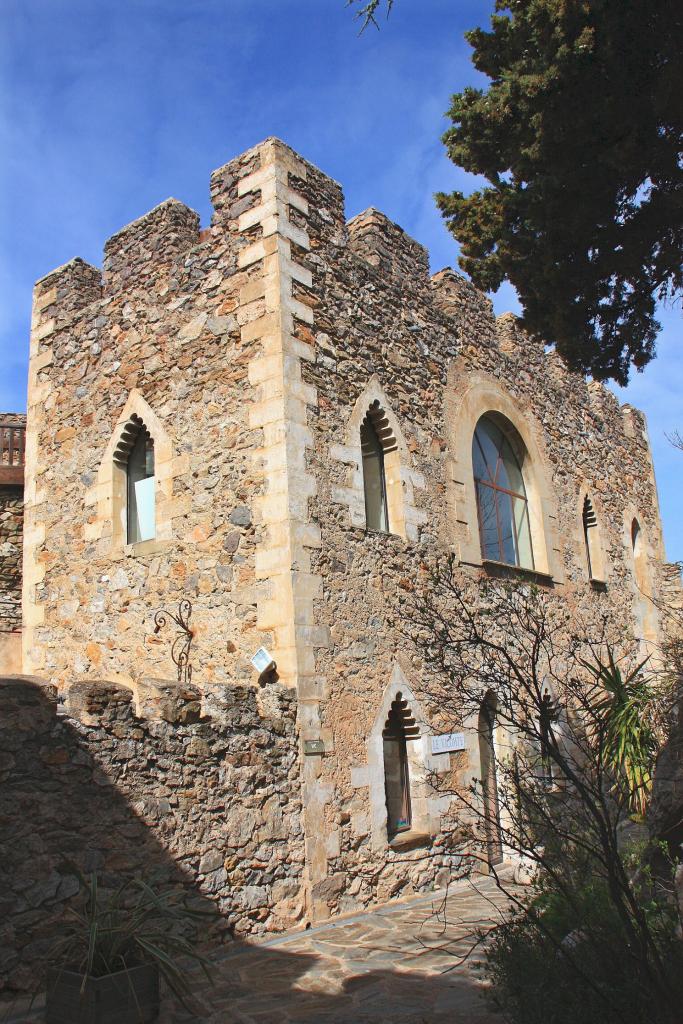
(431, 351)
(158, 335)
(11, 534)
(201, 792)
(11, 550)
(252, 350)
(666, 809)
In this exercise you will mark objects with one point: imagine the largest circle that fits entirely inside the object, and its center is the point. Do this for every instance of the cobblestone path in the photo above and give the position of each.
(394, 964)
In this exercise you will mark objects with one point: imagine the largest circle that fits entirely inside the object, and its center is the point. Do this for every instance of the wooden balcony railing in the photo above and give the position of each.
(12, 451)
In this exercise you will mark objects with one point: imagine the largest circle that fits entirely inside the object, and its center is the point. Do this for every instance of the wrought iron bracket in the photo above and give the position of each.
(180, 648)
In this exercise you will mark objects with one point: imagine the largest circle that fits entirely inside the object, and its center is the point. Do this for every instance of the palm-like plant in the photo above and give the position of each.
(116, 930)
(624, 711)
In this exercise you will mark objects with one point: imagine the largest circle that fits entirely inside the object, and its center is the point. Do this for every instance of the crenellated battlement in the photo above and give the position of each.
(64, 293)
(141, 251)
(95, 702)
(635, 424)
(143, 247)
(513, 339)
(389, 249)
(455, 295)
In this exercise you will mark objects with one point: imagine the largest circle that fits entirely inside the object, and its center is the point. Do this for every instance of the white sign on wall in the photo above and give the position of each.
(450, 741)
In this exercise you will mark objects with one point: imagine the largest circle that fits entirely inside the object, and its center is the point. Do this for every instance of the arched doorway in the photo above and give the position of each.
(489, 784)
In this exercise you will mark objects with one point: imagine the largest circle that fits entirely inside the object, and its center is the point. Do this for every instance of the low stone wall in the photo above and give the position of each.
(202, 795)
(11, 533)
(11, 539)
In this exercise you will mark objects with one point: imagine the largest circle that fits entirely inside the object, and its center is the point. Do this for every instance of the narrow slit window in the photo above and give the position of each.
(141, 503)
(547, 719)
(486, 726)
(134, 456)
(590, 523)
(639, 557)
(399, 730)
(374, 477)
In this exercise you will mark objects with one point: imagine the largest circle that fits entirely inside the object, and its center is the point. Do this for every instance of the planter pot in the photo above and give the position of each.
(128, 997)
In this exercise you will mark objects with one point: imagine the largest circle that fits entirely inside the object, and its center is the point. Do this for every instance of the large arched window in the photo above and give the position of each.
(502, 505)
(400, 727)
(135, 454)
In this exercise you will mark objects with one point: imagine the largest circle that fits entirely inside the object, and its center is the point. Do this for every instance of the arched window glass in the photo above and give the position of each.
(374, 479)
(135, 455)
(399, 729)
(141, 504)
(501, 498)
(639, 558)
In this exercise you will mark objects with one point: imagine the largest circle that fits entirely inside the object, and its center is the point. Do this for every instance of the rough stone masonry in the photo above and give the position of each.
(11, 539)
(251, 352)
(197, 792)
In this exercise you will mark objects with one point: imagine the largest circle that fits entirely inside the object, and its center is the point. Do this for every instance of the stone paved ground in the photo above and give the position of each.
(395, 964)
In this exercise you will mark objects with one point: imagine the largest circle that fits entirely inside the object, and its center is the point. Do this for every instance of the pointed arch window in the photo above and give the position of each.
(486, 726)
(547, 719)
(502, 505)
(639, 558)
(400, 728)
(376, 440)
(591, 540)
(374, 478)
(135, 455)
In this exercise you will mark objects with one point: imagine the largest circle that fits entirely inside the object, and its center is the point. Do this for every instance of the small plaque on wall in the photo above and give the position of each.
(449, 741)
(314, 747)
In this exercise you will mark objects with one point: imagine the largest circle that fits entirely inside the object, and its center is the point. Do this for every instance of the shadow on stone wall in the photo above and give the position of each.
(203, 799)
(665, 817)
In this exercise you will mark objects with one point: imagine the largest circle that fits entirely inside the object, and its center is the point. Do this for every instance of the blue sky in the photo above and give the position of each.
(107, 108)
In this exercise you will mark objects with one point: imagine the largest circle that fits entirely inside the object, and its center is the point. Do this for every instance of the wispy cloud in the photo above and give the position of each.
(108, 108)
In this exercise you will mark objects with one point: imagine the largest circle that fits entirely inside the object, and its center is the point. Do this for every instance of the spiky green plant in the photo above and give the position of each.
(137, 923)
(624, 711)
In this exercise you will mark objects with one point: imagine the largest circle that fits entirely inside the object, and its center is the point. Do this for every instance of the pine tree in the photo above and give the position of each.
(579, 137)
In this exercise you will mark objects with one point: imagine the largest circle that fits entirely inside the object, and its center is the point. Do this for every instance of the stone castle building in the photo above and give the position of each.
(275, 418)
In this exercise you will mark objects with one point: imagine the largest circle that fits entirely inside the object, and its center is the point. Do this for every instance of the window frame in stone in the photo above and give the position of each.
(591, 541)
(400, 728)
(639, 555)
(506, 456)
(547, 721)
(134, 436)
(490, 797)
(374, 477)
(381, 471)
